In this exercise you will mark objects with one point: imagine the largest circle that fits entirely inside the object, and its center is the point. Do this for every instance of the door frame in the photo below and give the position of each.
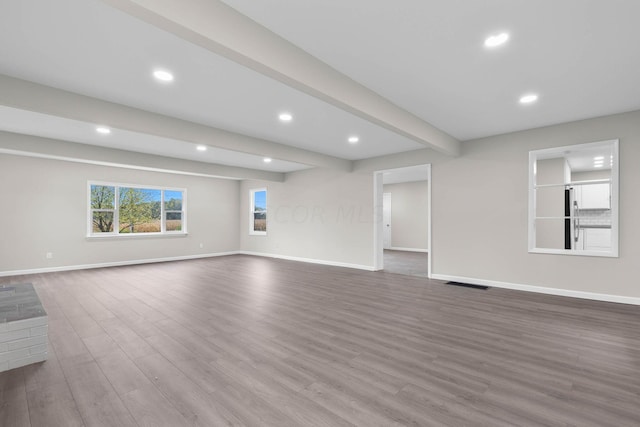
(386, 228)
(378, 223)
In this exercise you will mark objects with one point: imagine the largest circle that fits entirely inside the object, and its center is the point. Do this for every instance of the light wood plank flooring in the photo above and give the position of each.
(241, 340)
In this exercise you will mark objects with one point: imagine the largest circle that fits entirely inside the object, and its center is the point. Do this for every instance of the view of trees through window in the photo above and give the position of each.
(127, 210)
(102, 205)
(259, 211)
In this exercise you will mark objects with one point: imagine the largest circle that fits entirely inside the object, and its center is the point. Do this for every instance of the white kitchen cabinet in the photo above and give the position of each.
(594, 196)
(597, 239)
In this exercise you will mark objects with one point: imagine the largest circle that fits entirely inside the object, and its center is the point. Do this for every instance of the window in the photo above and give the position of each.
(121, 210)
(258, 214)
(573, 199)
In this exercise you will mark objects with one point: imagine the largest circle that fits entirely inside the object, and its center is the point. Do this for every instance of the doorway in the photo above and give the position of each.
(402, 233)
(386, 220)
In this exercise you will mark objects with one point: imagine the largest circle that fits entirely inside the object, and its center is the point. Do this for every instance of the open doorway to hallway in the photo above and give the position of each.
(406, 262)
(403, 233)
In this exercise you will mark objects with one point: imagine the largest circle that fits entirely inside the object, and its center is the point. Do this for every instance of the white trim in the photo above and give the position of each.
(553, 152)
(378, 190)
(134, 236)
(112, 264)
(309, 260)
(387, 207)
(582, 252)
(541, 289)
(394, 248)
(429, 231)
(378, 239)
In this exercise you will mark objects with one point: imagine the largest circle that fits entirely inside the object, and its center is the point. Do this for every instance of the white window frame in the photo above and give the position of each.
(116, 222)
(252, 211)
(614, 180)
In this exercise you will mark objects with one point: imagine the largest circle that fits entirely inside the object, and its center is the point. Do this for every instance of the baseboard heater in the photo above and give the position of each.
(468, 285)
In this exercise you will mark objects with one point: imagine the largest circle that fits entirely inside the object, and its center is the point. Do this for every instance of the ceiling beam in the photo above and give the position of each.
(219, 28)
(35, 146)
(25, 95)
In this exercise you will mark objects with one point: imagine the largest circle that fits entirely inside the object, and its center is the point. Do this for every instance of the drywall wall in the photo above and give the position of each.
(480, 207)
(409, 215)
(318, 214)
(45, 210)
(479, 213)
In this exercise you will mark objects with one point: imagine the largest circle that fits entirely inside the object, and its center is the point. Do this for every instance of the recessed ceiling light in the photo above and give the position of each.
(201, 148)
(267, 160)
(163, 75)
(496, 40)
(285, 117)
(353, 139)
(598, 158)
(528, 99)
(103, 130)
(598, 166)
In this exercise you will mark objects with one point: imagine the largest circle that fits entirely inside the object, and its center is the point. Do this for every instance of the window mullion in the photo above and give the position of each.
(116, 210)
(163, 219)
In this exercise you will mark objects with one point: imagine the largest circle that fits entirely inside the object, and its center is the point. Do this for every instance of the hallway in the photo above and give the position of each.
(407, 263)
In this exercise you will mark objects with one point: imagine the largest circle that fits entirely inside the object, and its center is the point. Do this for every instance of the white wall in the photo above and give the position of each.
(480, 211)
(317, 214)
(44, 210)
(409, 214)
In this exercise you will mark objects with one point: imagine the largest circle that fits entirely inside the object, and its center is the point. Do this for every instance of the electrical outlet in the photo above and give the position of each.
(49, 255)
(201, 245)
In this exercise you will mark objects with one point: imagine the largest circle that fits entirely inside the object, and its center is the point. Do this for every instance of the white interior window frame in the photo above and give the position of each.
(534, 155)
(252, 211)
(116, 220)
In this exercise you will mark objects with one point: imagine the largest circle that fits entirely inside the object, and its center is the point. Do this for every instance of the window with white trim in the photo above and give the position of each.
(125, 210)
(258, 213)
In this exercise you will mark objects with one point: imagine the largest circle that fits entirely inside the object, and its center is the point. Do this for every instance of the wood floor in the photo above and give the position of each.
(241, 340)
(406, 262)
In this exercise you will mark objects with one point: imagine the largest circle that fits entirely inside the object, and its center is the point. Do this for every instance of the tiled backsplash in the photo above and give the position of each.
(595, 217)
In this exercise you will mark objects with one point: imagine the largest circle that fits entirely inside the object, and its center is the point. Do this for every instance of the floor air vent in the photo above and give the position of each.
(468, 285)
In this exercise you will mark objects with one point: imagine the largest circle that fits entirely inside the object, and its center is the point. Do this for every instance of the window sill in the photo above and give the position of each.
(257, 233)
(136, 236)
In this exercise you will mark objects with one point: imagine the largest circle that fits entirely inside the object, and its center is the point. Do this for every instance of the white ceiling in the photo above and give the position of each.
(426, 56)
(30, 123)
(582, 160)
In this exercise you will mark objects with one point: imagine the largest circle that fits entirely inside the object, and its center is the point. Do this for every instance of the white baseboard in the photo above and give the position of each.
(394, 248)
(309, 260)
(492, 283)
(111, 264)
(540, 289)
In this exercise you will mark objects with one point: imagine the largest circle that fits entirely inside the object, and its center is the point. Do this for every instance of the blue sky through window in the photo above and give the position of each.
(168, 195)
(152, 195)
(260, 200)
